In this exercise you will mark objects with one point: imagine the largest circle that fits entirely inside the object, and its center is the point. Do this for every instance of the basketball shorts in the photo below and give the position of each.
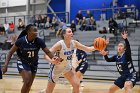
(26, 66)
(56, 71)
(122, 79)
(82, 67)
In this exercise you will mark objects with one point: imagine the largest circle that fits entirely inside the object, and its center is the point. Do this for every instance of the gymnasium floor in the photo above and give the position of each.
(12, 84)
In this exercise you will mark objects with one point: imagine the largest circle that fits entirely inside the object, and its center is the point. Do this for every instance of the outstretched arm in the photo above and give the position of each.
(127, 46)
(9, 55)
(105, 53)
(83, 47)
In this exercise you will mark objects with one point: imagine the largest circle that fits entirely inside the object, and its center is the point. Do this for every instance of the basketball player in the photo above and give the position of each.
(27, 47)
(125, 67)
(80, 64)
(64, 49)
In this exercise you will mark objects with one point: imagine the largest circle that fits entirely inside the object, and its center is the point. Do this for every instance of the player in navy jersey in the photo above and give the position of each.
(79, 64)
(125, 67)
(27, 47)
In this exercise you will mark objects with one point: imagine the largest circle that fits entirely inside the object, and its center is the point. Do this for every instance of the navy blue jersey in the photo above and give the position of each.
(123, 63)
(28, 51)
(81, 55)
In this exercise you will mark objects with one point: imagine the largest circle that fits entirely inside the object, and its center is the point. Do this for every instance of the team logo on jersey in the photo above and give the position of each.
(68, 52)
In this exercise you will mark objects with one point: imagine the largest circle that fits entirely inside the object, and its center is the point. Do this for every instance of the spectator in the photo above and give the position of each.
(103, 12)
(11, 26)
(89, 15)
(54, 22)
(6, 26)
(91, 24)
(21, 24)
(103, 31)
(42, 21)
(73, 26)
(48, 23)
(113, 26)
(84, 23)
(79, 18)
(2, 29)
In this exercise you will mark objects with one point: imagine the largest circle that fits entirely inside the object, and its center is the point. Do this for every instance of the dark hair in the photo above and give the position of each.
(24, 32)
(61, 32)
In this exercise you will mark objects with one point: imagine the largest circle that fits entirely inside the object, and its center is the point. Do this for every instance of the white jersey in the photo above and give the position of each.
(66, 65)
(66, 53)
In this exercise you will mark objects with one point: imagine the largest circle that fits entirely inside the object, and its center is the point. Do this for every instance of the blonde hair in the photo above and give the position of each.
(61, 32)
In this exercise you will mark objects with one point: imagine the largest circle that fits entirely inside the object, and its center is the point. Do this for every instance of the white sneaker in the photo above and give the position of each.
(81, 84)
(42, 91)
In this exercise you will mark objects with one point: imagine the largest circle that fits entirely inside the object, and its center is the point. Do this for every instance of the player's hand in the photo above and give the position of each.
(56, 60)
(4, 69)
(104, 52)
(125, 35)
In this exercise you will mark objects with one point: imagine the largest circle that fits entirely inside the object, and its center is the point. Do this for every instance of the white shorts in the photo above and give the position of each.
(56, 71)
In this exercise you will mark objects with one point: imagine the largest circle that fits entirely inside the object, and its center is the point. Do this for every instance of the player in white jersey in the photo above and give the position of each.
(64, 49)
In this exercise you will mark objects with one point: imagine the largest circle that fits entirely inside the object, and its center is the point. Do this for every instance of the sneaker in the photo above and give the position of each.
(42, 91)
(81, 84)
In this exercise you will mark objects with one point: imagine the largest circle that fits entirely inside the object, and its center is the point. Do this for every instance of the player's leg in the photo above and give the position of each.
(130, 83)
(52, 78)
(113, 88)
(27, 76)
(118, 84)
(128, 86)
(50, 87)
(71, 77)
(27, 81)
(80, 70)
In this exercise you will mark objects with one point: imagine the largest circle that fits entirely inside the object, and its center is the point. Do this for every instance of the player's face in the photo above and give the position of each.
(34, 32)
(68, 34)
(121, 48)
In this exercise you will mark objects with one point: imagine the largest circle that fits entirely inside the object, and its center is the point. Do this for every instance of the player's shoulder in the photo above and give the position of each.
(39, 39)
(21, 39)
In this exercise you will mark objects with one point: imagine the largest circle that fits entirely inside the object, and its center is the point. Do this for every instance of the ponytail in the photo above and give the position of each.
(61, 32)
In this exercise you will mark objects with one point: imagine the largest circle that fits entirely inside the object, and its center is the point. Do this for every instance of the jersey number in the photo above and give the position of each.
(31, 53)
(69, 57)
(119, 67)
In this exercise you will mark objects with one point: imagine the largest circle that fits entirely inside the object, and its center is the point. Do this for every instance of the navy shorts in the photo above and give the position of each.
(0, 74)
(82, 67)
(26, 66)
(122, 79)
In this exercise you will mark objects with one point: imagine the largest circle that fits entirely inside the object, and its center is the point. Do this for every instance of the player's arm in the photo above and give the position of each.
(9, 55)
(48, 52)
(127, 46)
(53, 49)
(83, 47)
(105, 54)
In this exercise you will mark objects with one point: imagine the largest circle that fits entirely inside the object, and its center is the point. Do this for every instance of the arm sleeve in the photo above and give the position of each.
(111, 59)
(128, 49)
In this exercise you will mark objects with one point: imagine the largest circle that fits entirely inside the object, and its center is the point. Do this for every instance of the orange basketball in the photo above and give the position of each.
(99, 43)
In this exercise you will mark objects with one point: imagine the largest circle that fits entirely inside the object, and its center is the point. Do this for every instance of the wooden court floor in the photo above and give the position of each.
(12, 84)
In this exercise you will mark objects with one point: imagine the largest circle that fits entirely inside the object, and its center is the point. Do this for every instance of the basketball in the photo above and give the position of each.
(99, 43)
